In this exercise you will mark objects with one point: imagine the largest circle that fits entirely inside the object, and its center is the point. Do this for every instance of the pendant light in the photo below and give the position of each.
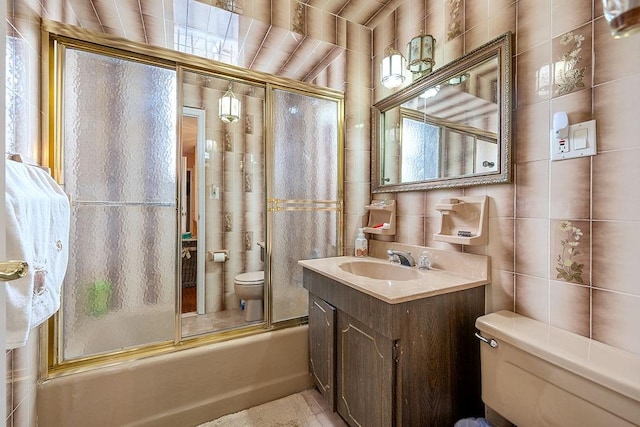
(229, 107)
(420, 55)
(392, 68)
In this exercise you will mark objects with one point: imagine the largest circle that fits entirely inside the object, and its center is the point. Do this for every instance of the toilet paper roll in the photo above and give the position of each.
(219, 257)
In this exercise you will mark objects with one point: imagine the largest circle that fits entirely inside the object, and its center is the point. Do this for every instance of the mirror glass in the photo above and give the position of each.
(451, 128)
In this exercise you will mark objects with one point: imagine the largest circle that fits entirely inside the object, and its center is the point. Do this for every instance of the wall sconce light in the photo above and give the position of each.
(458, 80)
(420, 55)
(392, 69)
(623, 17)
(229, 107)
(430, 93)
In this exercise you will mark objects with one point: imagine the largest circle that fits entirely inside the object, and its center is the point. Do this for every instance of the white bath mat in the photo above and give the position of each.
(290, 411)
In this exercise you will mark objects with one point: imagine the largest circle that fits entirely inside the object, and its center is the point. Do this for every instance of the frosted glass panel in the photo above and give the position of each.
(119, 145)
(420, 159)
(312, 234)
(120, 279)
(119, 129)
(306, 147)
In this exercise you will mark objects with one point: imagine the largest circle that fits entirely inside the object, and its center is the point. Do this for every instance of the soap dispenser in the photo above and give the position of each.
(362, 248)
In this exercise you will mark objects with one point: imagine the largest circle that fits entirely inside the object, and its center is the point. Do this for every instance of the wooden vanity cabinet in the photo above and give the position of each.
(415, 363)
(322, 350)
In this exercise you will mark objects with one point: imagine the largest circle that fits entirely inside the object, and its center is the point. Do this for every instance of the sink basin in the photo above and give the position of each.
(380, 271)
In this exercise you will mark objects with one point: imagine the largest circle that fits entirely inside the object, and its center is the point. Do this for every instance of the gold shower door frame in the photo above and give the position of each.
(54, 34)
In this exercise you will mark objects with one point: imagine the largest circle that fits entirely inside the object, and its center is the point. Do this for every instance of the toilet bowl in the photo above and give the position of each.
(250, 288)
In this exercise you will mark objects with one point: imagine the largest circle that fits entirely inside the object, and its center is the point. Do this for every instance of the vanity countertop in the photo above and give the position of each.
(430, 283)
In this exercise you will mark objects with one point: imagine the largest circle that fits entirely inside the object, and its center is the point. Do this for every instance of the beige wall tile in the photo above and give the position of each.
(501, 200)
(501, 244)
(577, 105)
(499, 294)
(532, 297)
(410, 22)
(615, 178)
(534, 26)
(475, 13)
(616, 111)
(410, 230)
(356, 167)
(434, 25)
(476, 36)
(532, 247)
(532, 132)
(569, 14)
(615, 320)
(612, 58)
(384, 35)
(357, 196)
(501, 21)
(358, 38)
(410, 203)
(431, 227)
(497, 5)
(597, 9)
(532, 194)
(453, 49)
(615, 254)
(570, 307)
(533, 75)
(571, 197)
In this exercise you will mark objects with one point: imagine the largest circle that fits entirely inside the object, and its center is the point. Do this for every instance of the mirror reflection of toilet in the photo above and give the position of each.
(250, 288)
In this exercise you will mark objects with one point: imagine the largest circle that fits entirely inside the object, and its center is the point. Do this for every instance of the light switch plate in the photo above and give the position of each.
(580, 142)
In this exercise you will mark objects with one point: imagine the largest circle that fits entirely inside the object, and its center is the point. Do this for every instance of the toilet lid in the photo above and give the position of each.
(252, 277)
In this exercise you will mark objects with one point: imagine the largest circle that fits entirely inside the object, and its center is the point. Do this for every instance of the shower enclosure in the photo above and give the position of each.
(140, 190)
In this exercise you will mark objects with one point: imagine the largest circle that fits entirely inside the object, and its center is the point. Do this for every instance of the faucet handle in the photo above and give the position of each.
(424, 262)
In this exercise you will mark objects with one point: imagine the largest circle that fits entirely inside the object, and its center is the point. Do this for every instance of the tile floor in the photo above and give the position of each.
(325, 416)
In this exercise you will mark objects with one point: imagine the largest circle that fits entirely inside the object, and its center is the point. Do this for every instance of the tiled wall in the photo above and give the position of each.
(589, 204)
(527, 217)
(23, 135)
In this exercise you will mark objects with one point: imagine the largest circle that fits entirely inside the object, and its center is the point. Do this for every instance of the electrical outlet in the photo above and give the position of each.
(580, 142)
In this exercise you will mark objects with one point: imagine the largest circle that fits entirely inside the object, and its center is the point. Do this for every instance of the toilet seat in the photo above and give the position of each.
(250, 278)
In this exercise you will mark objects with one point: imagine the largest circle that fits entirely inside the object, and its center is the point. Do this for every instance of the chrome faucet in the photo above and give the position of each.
(404, 257)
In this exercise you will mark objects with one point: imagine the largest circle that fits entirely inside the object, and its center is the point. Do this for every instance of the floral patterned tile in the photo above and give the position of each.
(570, 251)
(454, 19)
(572, 61)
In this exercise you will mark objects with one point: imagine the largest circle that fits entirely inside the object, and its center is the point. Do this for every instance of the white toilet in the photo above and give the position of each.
(250, 288)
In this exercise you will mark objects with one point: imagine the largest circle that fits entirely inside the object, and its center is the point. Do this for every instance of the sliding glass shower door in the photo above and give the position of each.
(119, 169)
(305, 198)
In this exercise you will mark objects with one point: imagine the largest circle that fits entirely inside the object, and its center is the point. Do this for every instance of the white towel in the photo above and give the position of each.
(37, 215)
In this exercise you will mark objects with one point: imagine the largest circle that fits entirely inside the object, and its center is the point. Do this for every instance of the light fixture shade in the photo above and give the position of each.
(392, 69)
(420, 54)
(229, 107)
(623, 17)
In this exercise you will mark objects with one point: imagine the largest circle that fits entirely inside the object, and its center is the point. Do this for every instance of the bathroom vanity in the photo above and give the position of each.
(389, 352)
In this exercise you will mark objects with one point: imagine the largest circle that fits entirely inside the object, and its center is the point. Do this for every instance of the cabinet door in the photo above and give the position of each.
(322, 318)
(365, 374)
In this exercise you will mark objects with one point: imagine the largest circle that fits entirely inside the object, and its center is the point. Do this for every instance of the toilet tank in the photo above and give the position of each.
(539, 375)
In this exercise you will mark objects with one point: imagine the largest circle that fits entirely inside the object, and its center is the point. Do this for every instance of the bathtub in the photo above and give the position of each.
(183, 388)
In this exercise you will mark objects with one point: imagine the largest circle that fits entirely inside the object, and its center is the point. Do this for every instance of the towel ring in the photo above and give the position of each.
(12, 270)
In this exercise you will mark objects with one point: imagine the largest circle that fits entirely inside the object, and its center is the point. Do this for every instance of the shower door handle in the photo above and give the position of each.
(12, 270)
